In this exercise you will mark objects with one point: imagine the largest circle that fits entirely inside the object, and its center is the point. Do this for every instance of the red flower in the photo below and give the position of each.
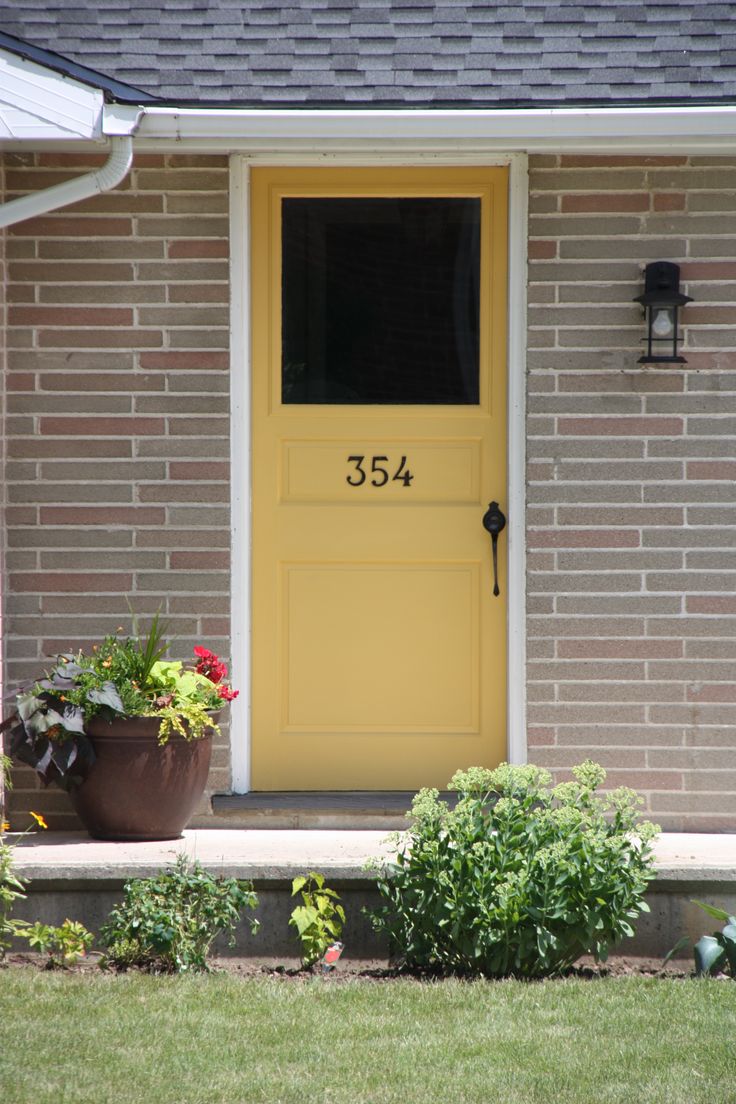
(209, 665)
(227, 693)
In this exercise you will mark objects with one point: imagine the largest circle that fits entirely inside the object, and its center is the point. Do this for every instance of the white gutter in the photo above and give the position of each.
(643, 128)
(114, 170)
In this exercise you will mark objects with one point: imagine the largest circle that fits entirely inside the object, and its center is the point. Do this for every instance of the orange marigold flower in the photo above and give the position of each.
(5, 826)
(38, 819)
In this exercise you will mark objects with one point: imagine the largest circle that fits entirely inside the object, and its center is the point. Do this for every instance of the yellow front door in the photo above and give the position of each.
(379, 439)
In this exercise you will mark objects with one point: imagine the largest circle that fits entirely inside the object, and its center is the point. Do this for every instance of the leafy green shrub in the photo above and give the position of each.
(319, 919)
(12, 889)
(6, 782)
(519, 879)
(715, 953)
(170, 921)
(64, 945)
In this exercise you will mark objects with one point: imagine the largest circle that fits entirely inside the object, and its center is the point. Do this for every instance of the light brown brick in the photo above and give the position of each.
(669, 201)
(208, 560)
(583, 538)
(71, 582)
(102, 515)
(208, 469)
(711, 604)
(623, 427)
(188, 361)
(62, 226)
(618, 648)
(202, 247)
(610, 202)
(101, 427)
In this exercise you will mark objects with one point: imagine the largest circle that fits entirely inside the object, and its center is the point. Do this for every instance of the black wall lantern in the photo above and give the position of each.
(661, 298)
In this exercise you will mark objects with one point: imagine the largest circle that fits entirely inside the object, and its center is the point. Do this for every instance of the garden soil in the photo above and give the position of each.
(378, 970)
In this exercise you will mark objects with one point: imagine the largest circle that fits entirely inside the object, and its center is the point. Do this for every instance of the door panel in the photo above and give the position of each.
(379, 382)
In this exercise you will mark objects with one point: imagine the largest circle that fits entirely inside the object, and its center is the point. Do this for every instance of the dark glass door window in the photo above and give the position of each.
(380, 300)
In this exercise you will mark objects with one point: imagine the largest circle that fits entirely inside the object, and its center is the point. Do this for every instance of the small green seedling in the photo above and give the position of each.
(64, 945)
(319, 919)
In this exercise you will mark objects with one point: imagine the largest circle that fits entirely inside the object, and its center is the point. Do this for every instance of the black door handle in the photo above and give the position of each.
(494, 520)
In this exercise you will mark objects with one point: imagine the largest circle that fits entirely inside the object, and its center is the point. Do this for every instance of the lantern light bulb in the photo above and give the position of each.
(663, 324)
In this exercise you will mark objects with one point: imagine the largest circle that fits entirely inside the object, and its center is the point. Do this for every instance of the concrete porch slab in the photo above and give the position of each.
(263, 854)
(72, 875)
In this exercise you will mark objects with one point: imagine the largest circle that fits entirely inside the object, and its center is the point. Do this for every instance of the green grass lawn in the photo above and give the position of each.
(223, 1040)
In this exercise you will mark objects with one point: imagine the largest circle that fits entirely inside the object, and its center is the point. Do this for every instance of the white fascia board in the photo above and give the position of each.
(644, 129)
(37, 102)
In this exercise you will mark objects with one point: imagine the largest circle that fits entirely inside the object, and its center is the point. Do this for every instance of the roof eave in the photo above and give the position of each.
(65, 67)
(649, 128)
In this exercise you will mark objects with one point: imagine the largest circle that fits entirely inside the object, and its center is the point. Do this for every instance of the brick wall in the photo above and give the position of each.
(118, 417)
(117, 477)
(632, 483)
(3, 282)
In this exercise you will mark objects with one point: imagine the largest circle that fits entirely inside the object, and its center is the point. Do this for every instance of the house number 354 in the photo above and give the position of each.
(379, 472)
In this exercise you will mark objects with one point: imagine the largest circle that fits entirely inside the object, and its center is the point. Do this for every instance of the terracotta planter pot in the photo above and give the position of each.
(137, 790)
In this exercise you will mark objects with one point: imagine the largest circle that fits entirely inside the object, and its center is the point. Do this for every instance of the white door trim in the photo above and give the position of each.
(240, 435)
(240, 465)
(516, 642)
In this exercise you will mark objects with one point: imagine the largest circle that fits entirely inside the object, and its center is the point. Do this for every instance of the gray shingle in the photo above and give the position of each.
(479, 52)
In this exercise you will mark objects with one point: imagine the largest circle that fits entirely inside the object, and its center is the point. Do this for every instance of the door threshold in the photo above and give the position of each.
(360, 810)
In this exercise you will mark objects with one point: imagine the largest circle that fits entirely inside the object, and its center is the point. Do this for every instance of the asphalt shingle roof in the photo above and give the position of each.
(395, 52)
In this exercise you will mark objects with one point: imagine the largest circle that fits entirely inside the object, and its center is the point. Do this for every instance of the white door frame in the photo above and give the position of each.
(240, 430)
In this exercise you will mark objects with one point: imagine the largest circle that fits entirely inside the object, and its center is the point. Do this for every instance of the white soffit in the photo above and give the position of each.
(40, 104)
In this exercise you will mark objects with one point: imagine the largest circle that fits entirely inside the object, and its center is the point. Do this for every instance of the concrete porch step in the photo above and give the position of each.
(72, 875)
(361, 810)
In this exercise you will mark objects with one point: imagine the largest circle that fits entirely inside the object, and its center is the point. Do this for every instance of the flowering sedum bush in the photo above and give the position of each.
(520, 879)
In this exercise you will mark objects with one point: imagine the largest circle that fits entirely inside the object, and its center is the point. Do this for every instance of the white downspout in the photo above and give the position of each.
(112, 172)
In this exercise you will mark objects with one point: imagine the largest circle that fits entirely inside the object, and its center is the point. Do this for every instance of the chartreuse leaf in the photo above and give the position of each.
(716, 913)
(303, 917)
(709, 954)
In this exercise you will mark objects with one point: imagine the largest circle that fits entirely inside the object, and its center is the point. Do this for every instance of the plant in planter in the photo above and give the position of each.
(125, 731)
